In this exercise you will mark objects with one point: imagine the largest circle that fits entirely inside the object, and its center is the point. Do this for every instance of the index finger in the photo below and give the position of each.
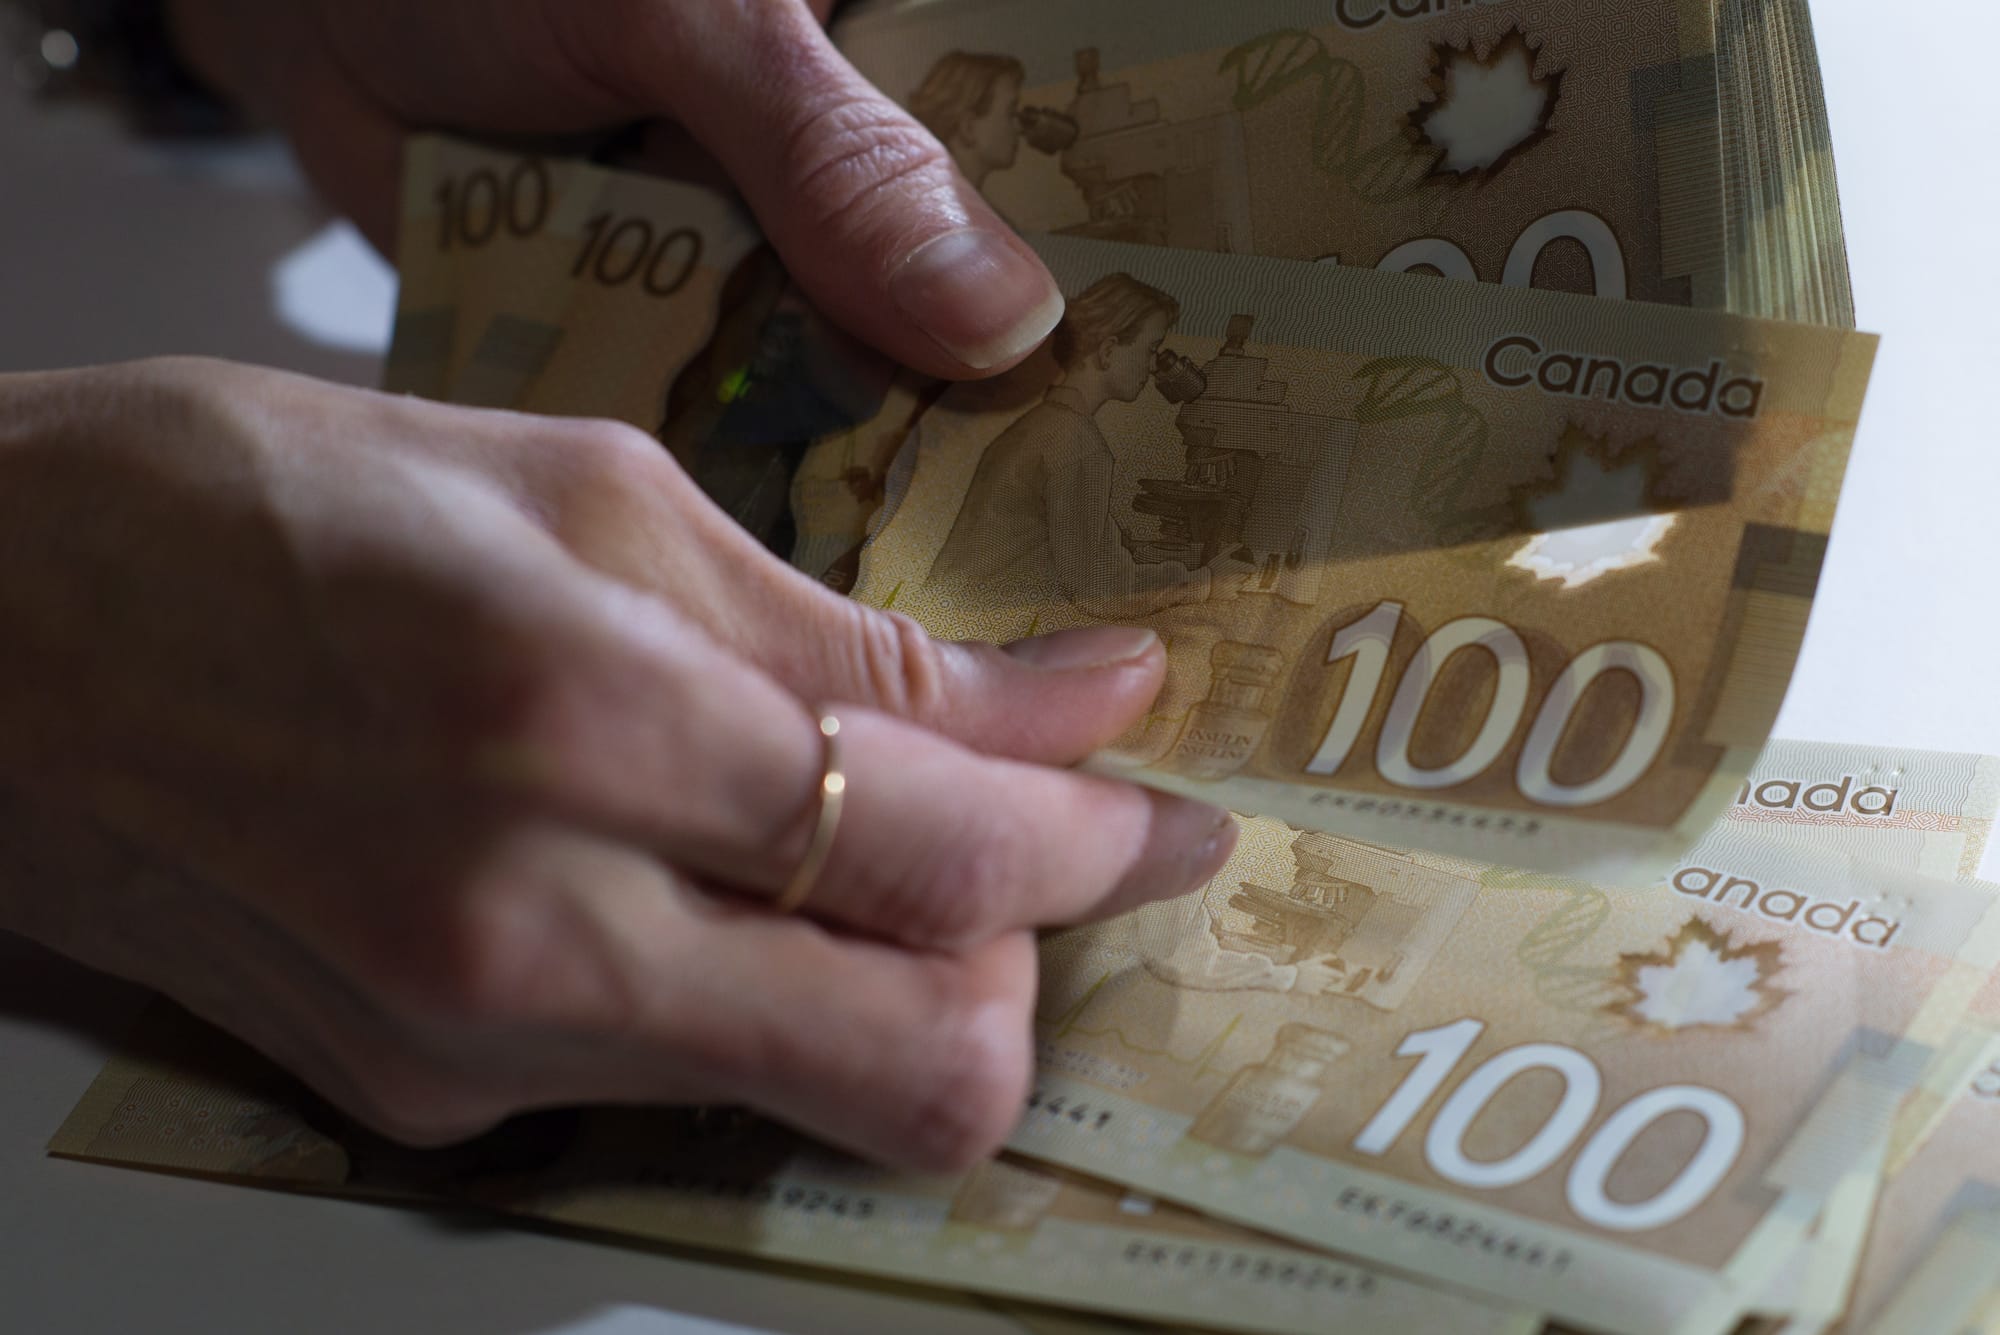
(941, 847)
(644, 729)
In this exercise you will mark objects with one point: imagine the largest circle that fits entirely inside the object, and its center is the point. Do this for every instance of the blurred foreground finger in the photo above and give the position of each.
(644, 730)
(935, 846)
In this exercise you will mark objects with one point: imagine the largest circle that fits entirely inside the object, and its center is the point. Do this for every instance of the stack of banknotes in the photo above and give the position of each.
(1463, 392)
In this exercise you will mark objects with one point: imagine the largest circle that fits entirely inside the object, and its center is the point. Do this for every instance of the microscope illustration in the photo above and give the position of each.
(1262, 487)
(1263, 483)
(1152, 181)
(1376, 915)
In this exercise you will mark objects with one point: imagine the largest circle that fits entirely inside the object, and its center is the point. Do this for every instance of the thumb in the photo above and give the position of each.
(866, 207)
(1053, 700)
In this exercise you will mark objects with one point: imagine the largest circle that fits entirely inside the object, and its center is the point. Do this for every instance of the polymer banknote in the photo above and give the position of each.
(1507, 574)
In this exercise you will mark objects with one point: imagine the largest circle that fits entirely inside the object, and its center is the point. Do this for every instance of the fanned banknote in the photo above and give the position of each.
(190, 1100)
(1156, 124)
(1781, 202)
(571, 289)
(1572, 143)
(552, 285)
(1625, 1107)
(1922, 811)
(1919, 811)
(432, 275)
(1932, 1261)
(1568, 145)
(1507, 574)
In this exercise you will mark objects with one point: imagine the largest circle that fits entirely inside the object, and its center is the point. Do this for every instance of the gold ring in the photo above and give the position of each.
(832, 795)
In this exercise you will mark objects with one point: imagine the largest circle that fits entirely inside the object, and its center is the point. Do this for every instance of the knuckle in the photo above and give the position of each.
(974, 1053)
(612, 488)
(852, 159)
(605, 453)
(467, 963)
(496, 971)
(898, 664)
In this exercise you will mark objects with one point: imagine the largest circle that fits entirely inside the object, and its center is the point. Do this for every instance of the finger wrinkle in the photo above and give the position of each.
(901, 667)
(850, 153)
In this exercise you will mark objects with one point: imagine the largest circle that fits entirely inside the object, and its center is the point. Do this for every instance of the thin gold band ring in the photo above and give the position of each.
(832, 797)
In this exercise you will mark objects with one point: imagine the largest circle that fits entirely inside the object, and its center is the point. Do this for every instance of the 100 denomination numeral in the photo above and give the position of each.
(1441, 1050)
(476, 208)
(1367, 642)
(1599, 242)
(618, 250)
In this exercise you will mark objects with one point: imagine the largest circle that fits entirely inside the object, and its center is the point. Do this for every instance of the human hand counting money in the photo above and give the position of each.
(458, 759)
(864, 205)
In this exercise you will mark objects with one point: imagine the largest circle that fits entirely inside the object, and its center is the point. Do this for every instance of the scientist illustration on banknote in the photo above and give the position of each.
(1256, 147)
(1046, 537)
(1138, 177)
(1038, 527)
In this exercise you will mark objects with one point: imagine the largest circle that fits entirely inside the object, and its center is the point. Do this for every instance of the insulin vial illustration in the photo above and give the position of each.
(1263, 1104)
(1005, 1196)
(1224, 731)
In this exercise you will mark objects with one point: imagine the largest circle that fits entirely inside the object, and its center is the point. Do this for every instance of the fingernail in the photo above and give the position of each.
(1188, 844)
(981, 295)
(1084, 648)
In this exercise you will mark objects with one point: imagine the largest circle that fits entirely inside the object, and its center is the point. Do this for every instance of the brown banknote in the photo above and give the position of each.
(1923, 811)
(553, 285)
(1932, 1261)
(1508, 574)
(188, 1099)
(1625, 1107)
(1787, 245)
(1920, 811)
(1571, 146)
(558, 286)
(1568, 143)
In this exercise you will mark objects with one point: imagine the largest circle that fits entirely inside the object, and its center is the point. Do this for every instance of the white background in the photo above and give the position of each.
(109, 250)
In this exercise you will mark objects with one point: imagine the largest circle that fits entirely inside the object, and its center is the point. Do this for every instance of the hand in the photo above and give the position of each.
(446, 756)
(864, 205)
